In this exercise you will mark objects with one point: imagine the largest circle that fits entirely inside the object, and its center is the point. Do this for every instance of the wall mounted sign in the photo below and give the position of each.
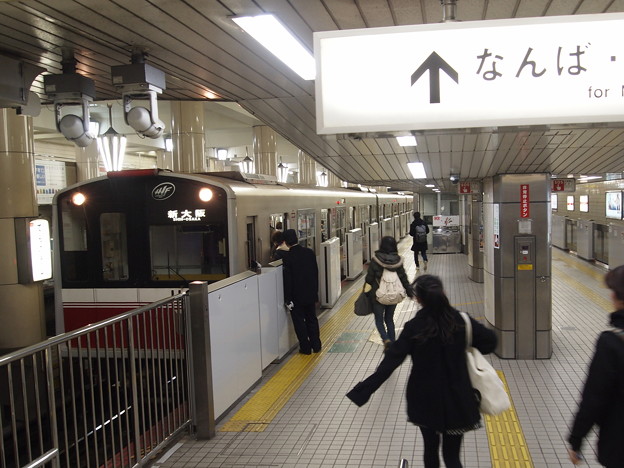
(529, 71)
(563, 185)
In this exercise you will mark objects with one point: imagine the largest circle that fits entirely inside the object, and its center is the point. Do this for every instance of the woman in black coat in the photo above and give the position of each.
(603, 394)
(440, 398)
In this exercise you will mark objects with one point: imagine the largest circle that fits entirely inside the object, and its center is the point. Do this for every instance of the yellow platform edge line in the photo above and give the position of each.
(262, 408)
(505, 437)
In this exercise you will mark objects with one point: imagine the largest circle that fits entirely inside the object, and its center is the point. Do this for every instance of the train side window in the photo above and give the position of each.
(114, 246)
(74, 240)
(306, 228)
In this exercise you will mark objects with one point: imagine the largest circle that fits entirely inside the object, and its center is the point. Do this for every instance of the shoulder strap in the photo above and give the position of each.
(468, 329)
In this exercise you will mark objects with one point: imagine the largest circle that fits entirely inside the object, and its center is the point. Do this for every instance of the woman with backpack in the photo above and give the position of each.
(389, 289)
(419, 231)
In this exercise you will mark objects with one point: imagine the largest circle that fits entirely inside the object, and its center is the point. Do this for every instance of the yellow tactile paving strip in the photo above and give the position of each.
(507, 444)
(586, 291)
(508, 447)
(271, 398)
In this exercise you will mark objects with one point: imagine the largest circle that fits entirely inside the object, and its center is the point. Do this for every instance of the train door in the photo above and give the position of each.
(341, 233)
(364, 222)
(252, 262)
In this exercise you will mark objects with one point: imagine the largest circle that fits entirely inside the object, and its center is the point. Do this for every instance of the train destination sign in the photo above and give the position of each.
(532, 71)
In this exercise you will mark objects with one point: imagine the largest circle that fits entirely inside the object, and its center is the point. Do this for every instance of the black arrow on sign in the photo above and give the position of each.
(434, 64)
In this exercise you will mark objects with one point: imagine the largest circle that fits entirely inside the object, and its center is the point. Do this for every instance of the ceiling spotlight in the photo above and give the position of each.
(140, 81)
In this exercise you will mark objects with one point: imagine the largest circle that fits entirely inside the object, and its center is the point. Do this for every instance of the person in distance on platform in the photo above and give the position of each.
(602, 401)
(419, 231)
(301, 292)
(387, 257)
(440, 397)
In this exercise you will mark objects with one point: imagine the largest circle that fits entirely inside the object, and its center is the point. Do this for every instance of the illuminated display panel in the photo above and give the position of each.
(613, 205)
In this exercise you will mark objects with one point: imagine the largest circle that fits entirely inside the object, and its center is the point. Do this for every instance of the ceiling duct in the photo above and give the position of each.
(449, 10)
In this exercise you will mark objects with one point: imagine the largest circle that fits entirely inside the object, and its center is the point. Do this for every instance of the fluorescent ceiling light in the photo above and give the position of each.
(429, 185)
(586, 178)
(417, 169)
(409, 140)
(268, 31)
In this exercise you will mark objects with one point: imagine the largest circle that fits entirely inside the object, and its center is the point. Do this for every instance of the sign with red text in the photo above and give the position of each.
(562, 185)
(525, 200)
(445, 221)
(469, 187)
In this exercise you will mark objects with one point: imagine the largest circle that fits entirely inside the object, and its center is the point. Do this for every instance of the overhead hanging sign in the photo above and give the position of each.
(546, 70)
(563, 185)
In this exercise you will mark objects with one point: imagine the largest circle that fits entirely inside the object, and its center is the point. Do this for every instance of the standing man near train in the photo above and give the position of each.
(301, 292)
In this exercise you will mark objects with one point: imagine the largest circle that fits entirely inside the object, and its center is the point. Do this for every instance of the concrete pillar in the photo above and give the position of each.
(307, 169)
(187, 133)
(164, 159)
(265, 150)
(517, 264)
(22, 311)
(332, 179)
(87, 162)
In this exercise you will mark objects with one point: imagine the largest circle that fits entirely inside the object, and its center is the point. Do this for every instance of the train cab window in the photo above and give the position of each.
(188, 253)
(74, 241)
(114, 246)
(306, 228)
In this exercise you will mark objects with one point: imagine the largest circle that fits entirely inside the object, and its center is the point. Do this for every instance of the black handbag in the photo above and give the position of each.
(363, 305)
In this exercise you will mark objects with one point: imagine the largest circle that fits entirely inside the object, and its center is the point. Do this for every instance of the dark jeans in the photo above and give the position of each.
(423, 251)
(451, 446)
(306, 327)
(384, 320)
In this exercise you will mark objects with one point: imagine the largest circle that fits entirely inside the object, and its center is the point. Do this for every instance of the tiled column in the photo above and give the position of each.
(21, 314)
(187, 133)
(87, 162)
(307, 169)
(265, 150)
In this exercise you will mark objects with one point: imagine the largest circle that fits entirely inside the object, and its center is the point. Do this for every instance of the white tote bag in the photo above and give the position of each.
(484, 379)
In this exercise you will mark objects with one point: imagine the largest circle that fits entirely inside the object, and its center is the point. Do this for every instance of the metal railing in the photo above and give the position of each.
(106, 395)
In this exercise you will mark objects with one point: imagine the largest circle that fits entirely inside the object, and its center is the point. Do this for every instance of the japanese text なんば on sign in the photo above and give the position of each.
(544, 70)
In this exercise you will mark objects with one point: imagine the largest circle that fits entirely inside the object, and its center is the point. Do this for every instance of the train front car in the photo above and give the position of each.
(134, 237)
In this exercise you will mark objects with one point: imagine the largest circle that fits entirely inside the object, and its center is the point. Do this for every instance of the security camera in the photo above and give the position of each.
(71, 90)
(140, 81)
(454, 179)
(144, 121)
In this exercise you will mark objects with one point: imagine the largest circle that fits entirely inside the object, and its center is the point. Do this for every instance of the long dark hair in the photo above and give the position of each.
(615, 282)
(437, 310)
(388, 244)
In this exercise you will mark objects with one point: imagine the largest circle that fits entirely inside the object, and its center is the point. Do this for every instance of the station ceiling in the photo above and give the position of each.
(207, 57)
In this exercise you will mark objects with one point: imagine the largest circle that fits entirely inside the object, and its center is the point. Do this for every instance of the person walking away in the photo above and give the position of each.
(301, 292)
(386, 258)
(602, 401)
(419, 231)
(440, 397)
(278, 246)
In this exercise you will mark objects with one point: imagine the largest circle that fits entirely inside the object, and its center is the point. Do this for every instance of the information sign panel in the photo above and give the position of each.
(528, 71)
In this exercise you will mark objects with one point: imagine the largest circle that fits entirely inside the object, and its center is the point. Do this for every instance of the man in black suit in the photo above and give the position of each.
(301, 292)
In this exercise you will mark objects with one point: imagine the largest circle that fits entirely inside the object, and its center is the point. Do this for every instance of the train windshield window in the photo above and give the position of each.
(114, 247)
(188, 253)
(75, 256)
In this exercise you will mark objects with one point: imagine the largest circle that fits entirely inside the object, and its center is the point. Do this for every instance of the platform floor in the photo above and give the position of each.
(299, 417)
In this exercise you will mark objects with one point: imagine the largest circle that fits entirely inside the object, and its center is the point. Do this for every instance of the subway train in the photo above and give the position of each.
(132, 237)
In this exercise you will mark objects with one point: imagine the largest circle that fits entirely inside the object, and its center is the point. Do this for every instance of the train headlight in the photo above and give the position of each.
(78, 199)
(205, 194)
